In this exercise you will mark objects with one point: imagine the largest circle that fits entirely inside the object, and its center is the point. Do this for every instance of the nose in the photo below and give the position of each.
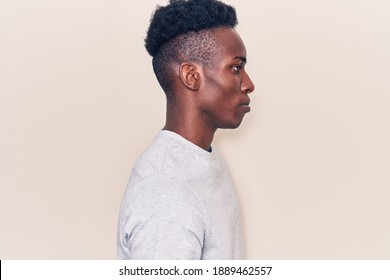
(247, 85)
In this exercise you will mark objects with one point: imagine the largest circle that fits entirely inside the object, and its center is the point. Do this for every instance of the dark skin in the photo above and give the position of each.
(210, 97)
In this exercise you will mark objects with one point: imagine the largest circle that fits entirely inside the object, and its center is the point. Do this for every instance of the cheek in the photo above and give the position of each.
(223, 89)
(213, 91)
(221, 92)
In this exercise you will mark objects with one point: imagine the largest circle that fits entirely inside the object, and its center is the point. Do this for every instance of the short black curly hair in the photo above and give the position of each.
(182, 31)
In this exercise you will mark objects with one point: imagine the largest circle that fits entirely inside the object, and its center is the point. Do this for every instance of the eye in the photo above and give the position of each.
(236, 68)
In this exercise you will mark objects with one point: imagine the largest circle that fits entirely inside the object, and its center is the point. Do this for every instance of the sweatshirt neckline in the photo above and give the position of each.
(196, 149)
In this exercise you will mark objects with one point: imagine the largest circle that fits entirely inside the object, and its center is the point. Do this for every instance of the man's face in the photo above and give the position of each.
(225, 85)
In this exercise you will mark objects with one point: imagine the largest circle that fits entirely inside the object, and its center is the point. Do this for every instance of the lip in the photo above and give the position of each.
(245, 105)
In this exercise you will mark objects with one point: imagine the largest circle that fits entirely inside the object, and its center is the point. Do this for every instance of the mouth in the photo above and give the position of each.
(245, 106)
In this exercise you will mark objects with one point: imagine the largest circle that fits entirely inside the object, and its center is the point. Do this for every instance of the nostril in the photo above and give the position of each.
(250, 89)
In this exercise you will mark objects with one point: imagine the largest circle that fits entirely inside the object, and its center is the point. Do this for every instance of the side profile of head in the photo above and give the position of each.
(196, 49)
(182, 31)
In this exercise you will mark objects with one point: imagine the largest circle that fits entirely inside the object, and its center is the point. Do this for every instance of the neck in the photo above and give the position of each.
(189, 125)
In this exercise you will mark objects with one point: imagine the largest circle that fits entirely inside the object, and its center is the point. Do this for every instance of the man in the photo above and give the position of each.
(180, 202)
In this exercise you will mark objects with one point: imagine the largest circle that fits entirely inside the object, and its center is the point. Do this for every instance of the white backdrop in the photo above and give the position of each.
(79, 102)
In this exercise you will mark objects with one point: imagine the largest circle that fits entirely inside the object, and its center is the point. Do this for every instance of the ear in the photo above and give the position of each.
(190, 76)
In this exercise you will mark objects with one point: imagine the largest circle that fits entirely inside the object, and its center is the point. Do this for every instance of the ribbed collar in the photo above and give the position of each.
(194, 148)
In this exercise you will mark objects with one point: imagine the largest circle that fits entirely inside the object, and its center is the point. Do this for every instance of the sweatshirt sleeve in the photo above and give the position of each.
(164, 220)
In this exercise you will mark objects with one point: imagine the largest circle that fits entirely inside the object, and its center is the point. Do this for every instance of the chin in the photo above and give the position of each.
(232, 124)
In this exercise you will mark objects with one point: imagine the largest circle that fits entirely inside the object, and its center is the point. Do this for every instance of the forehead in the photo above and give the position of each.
(230, 44)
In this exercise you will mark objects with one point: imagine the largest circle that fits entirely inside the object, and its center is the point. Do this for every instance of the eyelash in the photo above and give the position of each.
(236, 68)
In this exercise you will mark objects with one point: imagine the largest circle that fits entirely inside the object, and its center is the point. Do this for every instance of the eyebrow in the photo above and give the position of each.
(242, 58)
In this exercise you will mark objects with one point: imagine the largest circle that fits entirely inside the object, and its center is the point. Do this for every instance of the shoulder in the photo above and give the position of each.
(162, 194)
(161, 218)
